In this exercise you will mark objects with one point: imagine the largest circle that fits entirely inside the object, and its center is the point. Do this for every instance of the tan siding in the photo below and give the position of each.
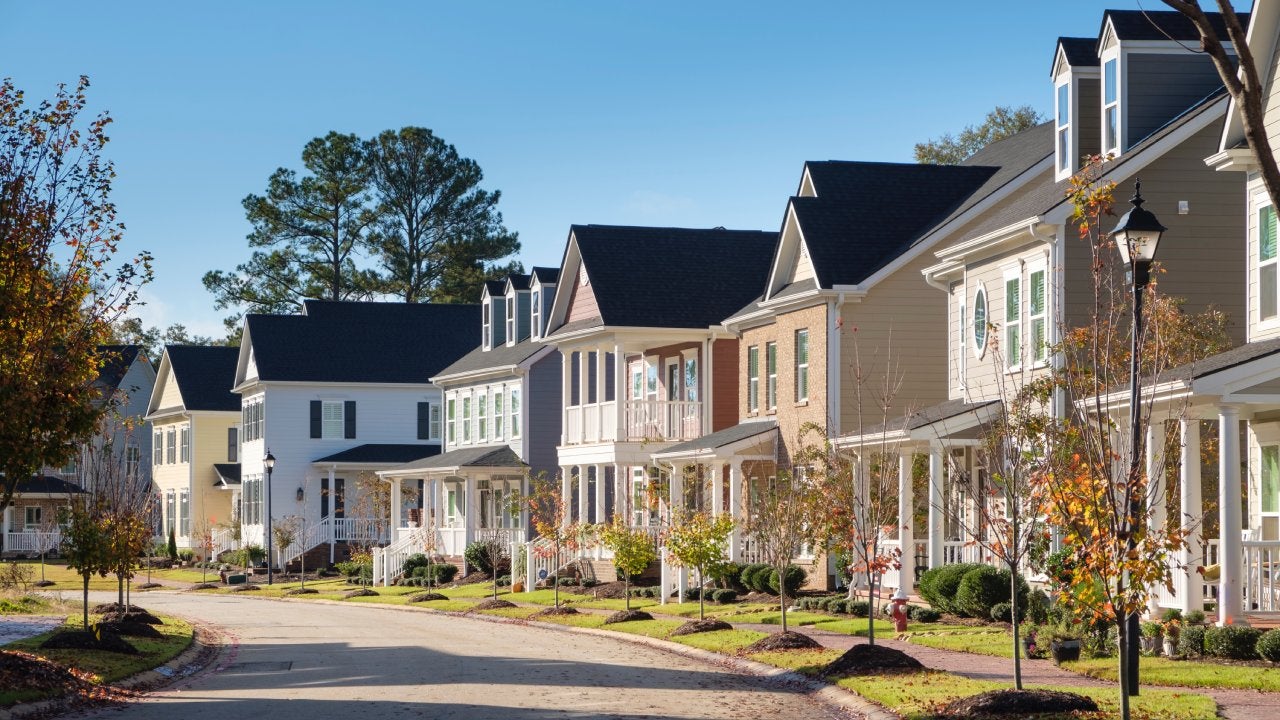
(804, 267)
(582, 303)
(209, 446)
(170, 396)
(725, 385)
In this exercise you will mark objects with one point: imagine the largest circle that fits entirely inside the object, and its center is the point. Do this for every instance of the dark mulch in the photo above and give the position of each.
(694, 627)
(362, 592)
(872, 660)
(788, 640)
(426, 596)
(89, 640)
(492, 603)
(562, 610)
(44, 583)
(759, 597)
(609, 591)
(22, 671)
(1001, 703)
(105, 608)
(132, 629)
(244, 587)
(301, 591)
(205, 586)
(473, 578)
(136, 615)
(627, 616)
(149, 586)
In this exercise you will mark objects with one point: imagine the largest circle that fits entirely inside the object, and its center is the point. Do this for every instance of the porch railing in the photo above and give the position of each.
(30, 543)
(1261, 576)
(662, 420)
(597, 422)
(388, 562)
(542, 561)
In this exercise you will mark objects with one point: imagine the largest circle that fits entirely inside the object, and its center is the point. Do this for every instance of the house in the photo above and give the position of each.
(334, 395)
(501, 421)
(28, 526)
(195, 439)
(1017, 276)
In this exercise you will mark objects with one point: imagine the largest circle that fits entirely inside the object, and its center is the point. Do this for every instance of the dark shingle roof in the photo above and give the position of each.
(721, 438)
(377, 453)
(1222, 361)
(362, 341)
(205, 375)
(518, 281)
(498, 456)
(114, 363)
(705, 276)
(497, 288)
(1080, 52)
(922, 418)
(500, 356)
(1163, 25)
(47, 485)
(228, 473)
(546, 276)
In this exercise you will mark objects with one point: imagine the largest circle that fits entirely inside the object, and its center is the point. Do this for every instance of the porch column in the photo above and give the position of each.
(583, 513)
(736, 511)
(906, 514)
(1156, 495)
(333, 489)
(1192, 509)
(1230, 552)
(470, 518)
(566, 494)
(621, 493)
(717, 488)
(620, 380)
(600, 411)
(566, 380)
(936, 504)
(599, 470)
(396, 491)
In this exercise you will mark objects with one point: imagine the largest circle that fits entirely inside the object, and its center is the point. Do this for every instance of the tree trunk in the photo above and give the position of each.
(871, 614)
(86, 600)
(701, 603)
(1013, 603)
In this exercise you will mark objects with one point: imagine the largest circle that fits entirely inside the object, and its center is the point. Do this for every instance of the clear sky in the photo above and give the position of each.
(657, 113)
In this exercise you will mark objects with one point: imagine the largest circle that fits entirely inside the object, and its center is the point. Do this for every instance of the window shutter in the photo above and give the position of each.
(1266, 233)
(424, 420)
(315, 419)
(349, 417)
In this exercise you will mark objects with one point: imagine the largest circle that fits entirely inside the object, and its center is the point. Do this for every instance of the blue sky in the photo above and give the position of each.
(689, 114)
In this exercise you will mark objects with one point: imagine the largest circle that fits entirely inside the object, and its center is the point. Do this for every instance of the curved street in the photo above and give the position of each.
(318, 661)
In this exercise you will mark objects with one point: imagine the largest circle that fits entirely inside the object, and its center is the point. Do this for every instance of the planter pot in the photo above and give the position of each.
(1065, 650)
(1151, 645)
(1170, 647)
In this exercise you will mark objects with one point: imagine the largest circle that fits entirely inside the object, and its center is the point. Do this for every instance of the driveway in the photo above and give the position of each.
(315, 661)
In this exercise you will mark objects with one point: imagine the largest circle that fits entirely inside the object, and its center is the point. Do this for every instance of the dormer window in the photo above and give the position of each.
(511, 319)
(535, 307)
(1110, 107)
(486, 333)
(1064, 127)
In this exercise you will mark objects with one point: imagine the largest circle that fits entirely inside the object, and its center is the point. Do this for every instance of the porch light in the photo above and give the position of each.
(1137, 236)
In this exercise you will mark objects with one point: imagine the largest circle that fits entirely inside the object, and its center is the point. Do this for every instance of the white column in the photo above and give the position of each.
(735, 509)
(1156, 495)
(583, 513)
(906, 513)
(620, 380)
(1230, 552)
(936, 504)
(470, 517)
(676, 498)
(717, 488)
(566, 380)
(599, 492)
(621, 493)
(566, 494)
(1192, 510)
(396, 491)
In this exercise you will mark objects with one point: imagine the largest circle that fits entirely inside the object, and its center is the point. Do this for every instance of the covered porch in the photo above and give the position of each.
(29, 526)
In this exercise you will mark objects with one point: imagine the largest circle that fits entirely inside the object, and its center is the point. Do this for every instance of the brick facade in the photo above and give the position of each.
(790, 413)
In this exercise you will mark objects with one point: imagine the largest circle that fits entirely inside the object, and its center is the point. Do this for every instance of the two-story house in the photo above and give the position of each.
(195, 440)
(334, 395)
(501, 420)
(1019, 275)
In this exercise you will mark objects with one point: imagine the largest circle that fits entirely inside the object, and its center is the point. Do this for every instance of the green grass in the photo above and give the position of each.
(997, 644)
(519, 612)
(726, 642)
(584, 620)
(809, 662)
(1185, 673)
(649, 628)
(29, 605)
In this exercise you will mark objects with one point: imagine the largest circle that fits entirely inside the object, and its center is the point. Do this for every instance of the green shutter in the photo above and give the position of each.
(1037, 292)
(1266, 233)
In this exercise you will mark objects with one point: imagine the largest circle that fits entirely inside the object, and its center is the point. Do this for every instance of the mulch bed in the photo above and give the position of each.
(23, 671)
(44, 583)
(245, 587)
(491, 603)
(872, 660)
(302, 591)
(788, 640)
(562, 610)
(627, 616)
(204, 586)
(132, 629)
(88, 640)
(1001, 703)
(362, 592)
(105, 608)
(694, 627)
(149, 586)
(609, 591)
(473, 578)
(426, 596)
(136, 615)
(759, 597)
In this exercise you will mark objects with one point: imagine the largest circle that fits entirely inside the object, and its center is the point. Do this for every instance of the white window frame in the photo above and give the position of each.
(980, 324)
(1037, 355)
(535, 314)
(157, 447)
(801, 367)
(433, 421)
(466, 418)
(486, 324)
(511, 320)
(332, 419)
(27, 524)
(482, 407)
(171, 446)
(1111, 106)
(1263, 207)
(452, 404)
(184, 444)
(513, 407)
(1012, 327)
(1262, 481)
(690, 390)
(184, 513)
(1062, 128)
(498, 414)
(753, 379)
(771, 376)
(132, 460)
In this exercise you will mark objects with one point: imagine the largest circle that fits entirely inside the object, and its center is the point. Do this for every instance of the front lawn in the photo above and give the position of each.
(1185, 673)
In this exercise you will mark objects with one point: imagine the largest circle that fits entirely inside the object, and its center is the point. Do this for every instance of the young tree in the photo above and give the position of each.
(697, 540)
(85, 543)
(633, 551)
(550, 520)
(781, 523)
(998, 125)
(61, 283)
(285, 532)
(123, 495)
(202, 533)
(47, 540)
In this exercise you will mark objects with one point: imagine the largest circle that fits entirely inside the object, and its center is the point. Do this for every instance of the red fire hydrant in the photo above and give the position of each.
(899, 611)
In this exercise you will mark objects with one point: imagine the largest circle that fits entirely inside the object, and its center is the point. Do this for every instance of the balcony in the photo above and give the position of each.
(651, 420)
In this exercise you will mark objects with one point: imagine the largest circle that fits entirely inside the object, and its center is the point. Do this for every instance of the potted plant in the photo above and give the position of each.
(1030, 647)
(1171, 621)
(1152, 637)
(1065, 647)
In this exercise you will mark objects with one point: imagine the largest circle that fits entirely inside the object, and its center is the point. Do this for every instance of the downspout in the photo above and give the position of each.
(832, 384)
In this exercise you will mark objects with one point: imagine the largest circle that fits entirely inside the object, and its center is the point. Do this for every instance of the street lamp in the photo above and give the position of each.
(1137, 236)
(269, 462)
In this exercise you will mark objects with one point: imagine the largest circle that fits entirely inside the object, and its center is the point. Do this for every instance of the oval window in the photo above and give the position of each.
(980, 322)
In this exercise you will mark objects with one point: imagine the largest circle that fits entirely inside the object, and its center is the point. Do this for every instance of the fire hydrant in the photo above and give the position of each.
(899, 611)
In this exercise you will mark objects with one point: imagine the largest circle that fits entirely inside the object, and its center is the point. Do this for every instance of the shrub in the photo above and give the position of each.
(924, 614)
(728, 575)
(1234, 642)
(1171, 615)
(1038, 607)
(938, 586)
(747, 575)
(503, 580)
(186, 555)
(760, 578)
(1195, 617)
(725, 596)
(438, 573)
(1003, 612)
(1151, 629)
(413, 562)
(1191, 641)
(1268, 647)
(795, 577)
(477, 556)
(693, 593)
(836, 605)
(859, 608)
(979, 591)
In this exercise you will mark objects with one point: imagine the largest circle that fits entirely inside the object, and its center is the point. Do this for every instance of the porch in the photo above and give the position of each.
(30, 543)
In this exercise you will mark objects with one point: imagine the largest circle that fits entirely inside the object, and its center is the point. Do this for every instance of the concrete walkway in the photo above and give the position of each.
(21, 627)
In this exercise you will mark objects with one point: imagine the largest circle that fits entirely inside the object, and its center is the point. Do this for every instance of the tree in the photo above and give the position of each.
(1241, 78)
(61, 284)
(780, 521)
(47, 540)
(438, 235)
(152, 340)
(697, 540)
(547, 514)
(306, 234)
(202, 533)
(633, 551)
(85, 544)
(285, 532)
(999, 124)
(122, 495)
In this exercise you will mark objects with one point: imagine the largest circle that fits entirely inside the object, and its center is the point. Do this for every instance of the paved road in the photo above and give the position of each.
(318, 661)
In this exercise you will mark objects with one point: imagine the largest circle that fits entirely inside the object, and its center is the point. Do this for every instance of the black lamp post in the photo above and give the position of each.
(269, 462)
(1137, 236)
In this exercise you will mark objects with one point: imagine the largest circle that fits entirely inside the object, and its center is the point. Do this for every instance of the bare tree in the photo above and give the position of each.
(780, 522)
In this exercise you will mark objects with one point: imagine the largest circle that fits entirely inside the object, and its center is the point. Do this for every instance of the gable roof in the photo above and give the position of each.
(495, 456)
(228, 474)
(517, 281)
(114, 363)
(501, 356)
(704, 276)
(205, 375)
(381, 453)
(546, 276)
(47, 485)
(1079, 51)
(360, 342)
(1163, 25)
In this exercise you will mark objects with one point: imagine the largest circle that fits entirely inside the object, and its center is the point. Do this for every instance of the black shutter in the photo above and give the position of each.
(349, 419)
(424, 421)
(315, 419)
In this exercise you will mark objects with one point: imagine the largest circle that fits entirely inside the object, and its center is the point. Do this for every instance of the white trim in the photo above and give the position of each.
(980, 349)
(1012, 274)
(1040, 265)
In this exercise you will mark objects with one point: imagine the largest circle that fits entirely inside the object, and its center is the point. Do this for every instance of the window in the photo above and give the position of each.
(753, 378)
(486, 325)
(69, 469)
(428, 421)
(497, 416)
(157, 448)
(1271, 478)
(482, 403)
(515, 412)
(434, 420)
(771, 375)
(980, 321)
(184, 513)
(32, 516)
(593, 376)
(170, 512)
(610, 377)
(453, 420)
(1110, 108)
(691, 378)
(331, 419)
(233, 445)
(171, 446)
(1267, 274)
(511, 320)
(1037, 302)
(132, 460)
(1064, 128)
(1013, 320)
(184, 444)
(251, 499)
(651, 379)
(466, 419)
(536, 309)
(253, 421)
(802, 365)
